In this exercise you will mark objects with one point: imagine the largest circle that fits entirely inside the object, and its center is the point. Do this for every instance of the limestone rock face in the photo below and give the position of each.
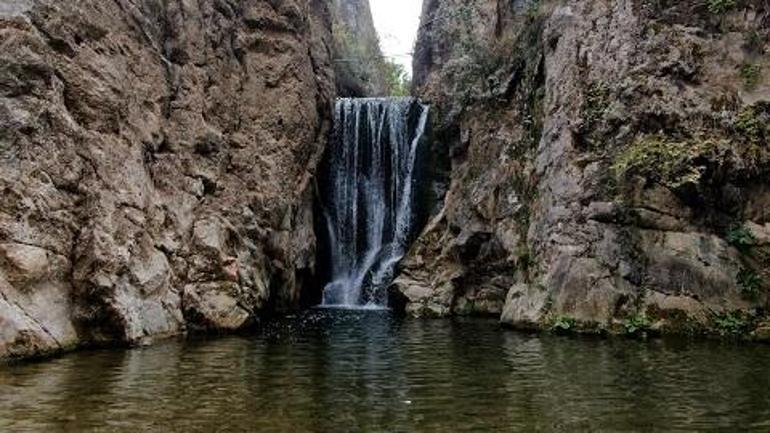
(358, 61)
(609, 161)
(155, 165)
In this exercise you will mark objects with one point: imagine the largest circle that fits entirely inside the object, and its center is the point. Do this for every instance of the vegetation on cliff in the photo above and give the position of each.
(360, 66)
(601, 157)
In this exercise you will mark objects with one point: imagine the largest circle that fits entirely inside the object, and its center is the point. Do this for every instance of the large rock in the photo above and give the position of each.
(607, 160)
(156, 165)
(360, 67)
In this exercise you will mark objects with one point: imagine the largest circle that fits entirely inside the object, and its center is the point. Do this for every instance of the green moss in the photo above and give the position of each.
(753, 124)
(596, 103)
(662, 160)
(750, 75)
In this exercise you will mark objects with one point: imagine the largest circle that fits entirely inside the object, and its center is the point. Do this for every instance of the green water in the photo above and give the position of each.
(333, 371)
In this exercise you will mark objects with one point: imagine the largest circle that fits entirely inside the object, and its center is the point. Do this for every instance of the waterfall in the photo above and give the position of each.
(369, 195)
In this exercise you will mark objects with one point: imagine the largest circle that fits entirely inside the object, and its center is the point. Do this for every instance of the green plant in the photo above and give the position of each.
(753, 41)
(749, 282)
(752, 124)
(663, 160)
(741, 237)
(750, 75)
(636, 324)
(563, 324)
(596, 104)
(396, 79)
(718, 7)
(731, 323)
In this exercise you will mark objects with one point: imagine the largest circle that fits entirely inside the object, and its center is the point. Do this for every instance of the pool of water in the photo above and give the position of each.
(337, 371)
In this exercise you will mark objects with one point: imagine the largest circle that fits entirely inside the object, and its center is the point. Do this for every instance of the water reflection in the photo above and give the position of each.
(331, 371)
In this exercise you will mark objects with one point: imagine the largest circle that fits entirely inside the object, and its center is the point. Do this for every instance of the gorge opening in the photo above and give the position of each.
(372, 187)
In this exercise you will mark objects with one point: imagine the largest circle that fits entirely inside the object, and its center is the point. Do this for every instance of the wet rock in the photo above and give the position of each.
(213, 306)
(525, 307)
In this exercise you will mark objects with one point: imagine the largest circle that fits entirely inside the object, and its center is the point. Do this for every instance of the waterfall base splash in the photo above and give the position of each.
(370, 195)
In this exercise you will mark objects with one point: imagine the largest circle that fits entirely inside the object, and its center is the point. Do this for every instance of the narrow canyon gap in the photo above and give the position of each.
(372, 187)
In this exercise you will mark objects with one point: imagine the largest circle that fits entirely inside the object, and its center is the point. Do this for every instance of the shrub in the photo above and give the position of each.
(636, 324)
(749, 283)
(563, 324)
(750, 75)
(663, 160)
(730, 323)
(396, 79)
(741, 237)
(752, 124)
(719, 7)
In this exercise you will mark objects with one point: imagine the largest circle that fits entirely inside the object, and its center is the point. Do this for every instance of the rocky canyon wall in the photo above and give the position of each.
(609, 164)
(358, 61)
(156, 165)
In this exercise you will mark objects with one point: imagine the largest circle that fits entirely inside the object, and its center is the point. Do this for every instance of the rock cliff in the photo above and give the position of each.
(358, 61)
(156, 165)
(609, 164)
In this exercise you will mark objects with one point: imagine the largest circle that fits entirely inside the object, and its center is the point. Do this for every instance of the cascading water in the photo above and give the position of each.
(370, 194)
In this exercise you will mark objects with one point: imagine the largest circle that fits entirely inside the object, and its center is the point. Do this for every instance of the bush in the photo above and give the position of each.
(719, 7)
(636, 324)
(752, 124)
(750, 75)
(396, 79)
(730, 324)
(563, 324)
(741, 237)
(750, 283)
(663, 160)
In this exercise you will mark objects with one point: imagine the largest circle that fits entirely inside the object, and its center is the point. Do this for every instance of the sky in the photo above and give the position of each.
(397, 22)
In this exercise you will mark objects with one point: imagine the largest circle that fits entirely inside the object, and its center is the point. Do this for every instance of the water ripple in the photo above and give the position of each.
(338, 371)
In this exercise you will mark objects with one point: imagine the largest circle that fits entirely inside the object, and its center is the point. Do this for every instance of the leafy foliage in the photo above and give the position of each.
(750, 283)
(741, 237)
(563, 324)
(636, 324)
(596, 103)
(396, 79)
(664, 160)
(731, 323)
(750, 75)
(718, 7)
(753, 124)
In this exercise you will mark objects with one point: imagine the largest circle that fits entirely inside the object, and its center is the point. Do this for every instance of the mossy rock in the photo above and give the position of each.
(660, 159)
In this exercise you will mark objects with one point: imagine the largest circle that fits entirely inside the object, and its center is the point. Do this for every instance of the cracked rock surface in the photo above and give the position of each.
(156, 160)
(609, 164)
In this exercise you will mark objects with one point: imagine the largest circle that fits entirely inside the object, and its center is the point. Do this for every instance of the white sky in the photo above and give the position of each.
(397, 22)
